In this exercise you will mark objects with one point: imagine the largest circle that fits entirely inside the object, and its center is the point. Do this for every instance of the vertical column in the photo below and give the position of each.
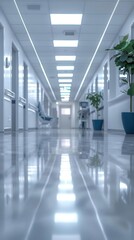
(106, 97)
(96, 84)
(15, 89)
(37, 119)
(113, 77)
(96, 90)
(1, 79)
(26, 97)
(132, 37)
(42, 96)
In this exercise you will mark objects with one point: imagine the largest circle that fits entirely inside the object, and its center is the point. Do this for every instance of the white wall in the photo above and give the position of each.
(7, 113)
(31, 118)
(117, 101)
(9, 39)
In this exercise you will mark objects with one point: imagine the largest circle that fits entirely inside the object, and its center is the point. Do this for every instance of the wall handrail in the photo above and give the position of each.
(22, 100)
(9, 93)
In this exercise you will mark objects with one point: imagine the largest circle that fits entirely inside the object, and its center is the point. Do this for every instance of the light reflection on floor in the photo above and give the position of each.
(80, 164)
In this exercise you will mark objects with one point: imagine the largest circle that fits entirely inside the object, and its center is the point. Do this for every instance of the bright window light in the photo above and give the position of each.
(65, 43)
(66, 19)
(66, 218)
(64, 80)
(65, 67)
(65, 58)
(65, 74)
(65, 100)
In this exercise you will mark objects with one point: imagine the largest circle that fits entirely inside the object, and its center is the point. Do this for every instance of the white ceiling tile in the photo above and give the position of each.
(95, 17)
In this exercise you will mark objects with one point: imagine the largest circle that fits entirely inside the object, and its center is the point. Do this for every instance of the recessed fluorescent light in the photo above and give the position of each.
(66, 19)
(65, 92)
(64, 80)
(65, 43)
(65, 74)
(65, 58)
(65, 84)
(65, 67)
(65, 89)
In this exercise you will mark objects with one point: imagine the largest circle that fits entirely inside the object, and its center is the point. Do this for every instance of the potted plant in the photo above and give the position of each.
(95, 100)
(124, 60)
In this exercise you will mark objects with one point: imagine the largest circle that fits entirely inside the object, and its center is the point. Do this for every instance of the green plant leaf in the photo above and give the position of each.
(124, 80)
(130, 59)
(123, 57)
(130, 91)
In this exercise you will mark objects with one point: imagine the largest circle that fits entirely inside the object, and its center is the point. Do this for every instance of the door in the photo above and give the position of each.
(65, 117)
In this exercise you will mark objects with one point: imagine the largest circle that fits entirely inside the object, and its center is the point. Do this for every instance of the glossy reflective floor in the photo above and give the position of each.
(66, 185)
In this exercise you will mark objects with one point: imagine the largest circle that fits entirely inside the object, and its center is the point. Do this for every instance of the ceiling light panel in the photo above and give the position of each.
(65, 84)
(65, 58)
(65, 43)
(64, 80)
(65, 74)
(65, 67)
(66, 19)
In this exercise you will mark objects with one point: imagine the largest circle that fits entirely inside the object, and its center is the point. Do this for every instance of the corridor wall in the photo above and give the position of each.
(116, 101)
(11, 42)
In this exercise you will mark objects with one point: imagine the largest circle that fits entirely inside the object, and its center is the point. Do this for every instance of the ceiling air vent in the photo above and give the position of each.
(33, 7)
(69, 33)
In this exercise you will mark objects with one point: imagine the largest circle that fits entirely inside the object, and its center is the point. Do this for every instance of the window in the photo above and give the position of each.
(65, 111)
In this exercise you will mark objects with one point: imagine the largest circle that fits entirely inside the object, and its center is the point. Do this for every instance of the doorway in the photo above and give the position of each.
(65, 117)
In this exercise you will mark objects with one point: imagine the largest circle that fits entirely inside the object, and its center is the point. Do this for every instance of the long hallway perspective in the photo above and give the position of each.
(66, 185)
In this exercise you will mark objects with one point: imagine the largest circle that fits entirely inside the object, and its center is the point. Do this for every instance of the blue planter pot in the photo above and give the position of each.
(97, 124)
(128, 122)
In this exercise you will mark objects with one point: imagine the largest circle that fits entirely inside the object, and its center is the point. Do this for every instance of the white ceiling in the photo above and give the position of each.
(96, 15)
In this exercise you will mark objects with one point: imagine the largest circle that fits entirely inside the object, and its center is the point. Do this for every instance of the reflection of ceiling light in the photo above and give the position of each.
(65, 186)
(65, 67)
(65, 58)
(68, 197)
(66, 217)
(66, 19)
(65, 74)
(65, 177)
(65, 43)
